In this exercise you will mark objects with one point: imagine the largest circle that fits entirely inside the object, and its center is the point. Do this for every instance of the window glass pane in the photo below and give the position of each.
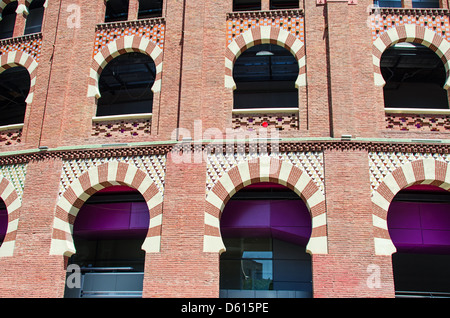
(265, 78)
(425, 3)
(150, 9)
(246, 5)
(283, 4)
(116, 10)
(14, 89)
(389, 3)
(35, 17)
(8, 20)
(414, 76)
(125, 85)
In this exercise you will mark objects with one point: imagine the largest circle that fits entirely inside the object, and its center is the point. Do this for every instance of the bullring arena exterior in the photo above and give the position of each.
(215, 149)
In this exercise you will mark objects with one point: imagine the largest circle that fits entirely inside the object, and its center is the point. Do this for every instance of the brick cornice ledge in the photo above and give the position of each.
(429, 146)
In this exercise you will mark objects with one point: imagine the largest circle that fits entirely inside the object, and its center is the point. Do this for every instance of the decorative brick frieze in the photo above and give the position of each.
(126, 126)
(383, 163)
(151, 29)
(318, 2)
(11, 135)
(418, 122)
(310, 162)
(383, 19)
(125, 150)
(29, 44)
(252, 121)
(153, 166)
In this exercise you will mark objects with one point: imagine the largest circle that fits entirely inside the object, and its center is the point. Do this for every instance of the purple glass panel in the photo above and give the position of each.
(3, 224)
(129, 219)
(420, 226)
(288, 220)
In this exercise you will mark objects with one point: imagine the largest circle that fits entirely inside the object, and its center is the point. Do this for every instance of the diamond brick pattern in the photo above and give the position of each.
(27, 44)
(154, 165)
(407, 122)
(384, 163)
(309, 162)
(16, 175)
(152, 29)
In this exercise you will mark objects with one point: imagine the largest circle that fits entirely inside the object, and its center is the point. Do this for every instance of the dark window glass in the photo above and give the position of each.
(14, 89)
(8, 20)
(388, 4)
(414, 77)
(425, 3)
(246, 5)
(150, 9)
(116, 10)
(125, 85)
(265, 78)
(35, 17)
(283, 4)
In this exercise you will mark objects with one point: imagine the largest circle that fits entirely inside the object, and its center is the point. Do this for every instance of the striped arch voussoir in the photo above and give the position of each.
(265, 169)
(12, 201)
(410, 33)
(20, 58)
(423, 171)
(3, 4)
(102, 176)
(121, 46)
(261, 35)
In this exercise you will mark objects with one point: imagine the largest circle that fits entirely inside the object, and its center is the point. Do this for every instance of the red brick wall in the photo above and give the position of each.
(181, 269)
(345, 270)
(31, 271)
(340, 98)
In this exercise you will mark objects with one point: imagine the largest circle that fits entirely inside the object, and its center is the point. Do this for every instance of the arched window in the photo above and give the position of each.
(8, 20)
(265, 78)
(150, 9)
(265, 228)
(414, 77)
(14, 88)
(283, 4)
(108, 233)
(388, 3)
(246, 5)
(125, 85)
(3, 221)
(419, 226)
(116, 10)
(35, 17)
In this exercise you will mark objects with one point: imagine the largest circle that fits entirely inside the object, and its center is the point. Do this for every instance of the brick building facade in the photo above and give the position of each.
(341, 149)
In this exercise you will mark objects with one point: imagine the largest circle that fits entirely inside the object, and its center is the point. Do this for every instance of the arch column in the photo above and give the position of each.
(12, 201)
(20, 58)
(422, 171)
(414, 34)
(265, 169)
(93, 180)
(121, 46)
(262, 35)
